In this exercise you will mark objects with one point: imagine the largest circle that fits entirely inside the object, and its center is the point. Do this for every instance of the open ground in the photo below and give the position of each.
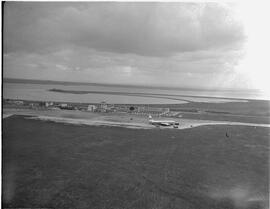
(48, 164)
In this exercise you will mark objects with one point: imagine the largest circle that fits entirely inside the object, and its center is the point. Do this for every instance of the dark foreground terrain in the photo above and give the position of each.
(46, 164)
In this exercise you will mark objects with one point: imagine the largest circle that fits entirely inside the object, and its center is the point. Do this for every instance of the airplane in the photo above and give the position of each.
(162, 122)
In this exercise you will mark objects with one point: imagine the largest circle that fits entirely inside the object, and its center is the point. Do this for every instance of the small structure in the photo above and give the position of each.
(110, 108)
(33, 105)
(104, 107)
(91, 108)
(66, 107)
(153, 110)
(18, 102)
(42, 104)
(63, 105)
(121, 108)
(48, 104)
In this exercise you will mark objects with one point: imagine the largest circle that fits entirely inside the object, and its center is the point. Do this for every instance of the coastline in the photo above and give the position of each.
(177, 97)
(113, 119)
(125, 95)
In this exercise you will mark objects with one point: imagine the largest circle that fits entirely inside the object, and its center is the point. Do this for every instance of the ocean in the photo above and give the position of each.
(40, 92)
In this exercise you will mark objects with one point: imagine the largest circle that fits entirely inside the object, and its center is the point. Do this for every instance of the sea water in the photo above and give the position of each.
(40, 92)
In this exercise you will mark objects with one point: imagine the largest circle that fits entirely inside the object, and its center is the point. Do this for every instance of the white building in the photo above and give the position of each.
(18, 102)
(48, 104)
(91, 108)
(153, 110)
(63, 105)
(103, 105)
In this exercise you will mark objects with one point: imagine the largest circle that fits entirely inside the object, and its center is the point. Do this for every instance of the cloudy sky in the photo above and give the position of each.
(168, 44)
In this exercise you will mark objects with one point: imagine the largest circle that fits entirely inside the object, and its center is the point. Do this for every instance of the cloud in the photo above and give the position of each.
(147, 29)
(80, 64)
(179, 44)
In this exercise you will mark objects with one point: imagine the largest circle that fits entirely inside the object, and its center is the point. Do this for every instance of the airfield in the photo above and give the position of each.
(115, 119)
(72, 159)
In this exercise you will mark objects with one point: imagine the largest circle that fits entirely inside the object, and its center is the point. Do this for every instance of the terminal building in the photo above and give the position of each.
(91, 108)
(105, 107)
(153, 110)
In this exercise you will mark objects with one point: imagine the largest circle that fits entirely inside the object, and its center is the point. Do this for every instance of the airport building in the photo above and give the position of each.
(91, 108)
(48, 104)
(104, 107)
(153, 110)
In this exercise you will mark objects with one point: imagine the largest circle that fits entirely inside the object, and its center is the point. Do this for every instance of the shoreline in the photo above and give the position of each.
(178, 97)
(114, 119)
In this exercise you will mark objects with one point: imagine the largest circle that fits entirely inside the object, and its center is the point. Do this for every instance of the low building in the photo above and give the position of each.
(153, 110)
(104, 107)
(63, 105)
(48, 104)
(18, 102)
(110, 108)
(66, 107)
(42, 104)
(91, 108)
(121, 108)
(33, 105)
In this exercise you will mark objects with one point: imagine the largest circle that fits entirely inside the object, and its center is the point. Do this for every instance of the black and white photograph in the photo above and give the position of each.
(135, 105)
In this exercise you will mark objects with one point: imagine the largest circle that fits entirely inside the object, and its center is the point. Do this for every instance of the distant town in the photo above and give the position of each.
(102, 107)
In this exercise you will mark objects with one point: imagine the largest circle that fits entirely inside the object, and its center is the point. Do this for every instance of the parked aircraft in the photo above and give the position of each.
(162, 122)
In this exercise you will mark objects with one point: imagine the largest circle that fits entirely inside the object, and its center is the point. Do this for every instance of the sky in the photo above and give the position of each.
(178, 44)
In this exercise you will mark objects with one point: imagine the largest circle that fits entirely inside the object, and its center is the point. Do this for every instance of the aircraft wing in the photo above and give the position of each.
(164, 124)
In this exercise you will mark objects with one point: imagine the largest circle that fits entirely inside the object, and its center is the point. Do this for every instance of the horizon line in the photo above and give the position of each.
(40, 81)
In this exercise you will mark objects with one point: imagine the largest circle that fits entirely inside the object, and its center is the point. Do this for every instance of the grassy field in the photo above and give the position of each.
(253, 111)
(228, 117)
(47, 164)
